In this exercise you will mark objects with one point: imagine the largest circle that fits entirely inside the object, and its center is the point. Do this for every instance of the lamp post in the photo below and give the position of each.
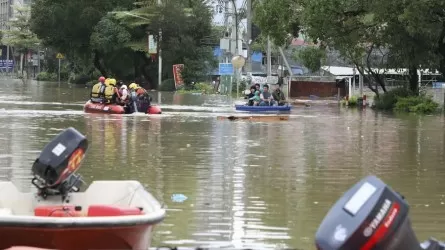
(238, 62)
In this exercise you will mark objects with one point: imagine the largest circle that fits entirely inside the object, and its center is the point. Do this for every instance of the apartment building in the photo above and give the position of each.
(6, 14)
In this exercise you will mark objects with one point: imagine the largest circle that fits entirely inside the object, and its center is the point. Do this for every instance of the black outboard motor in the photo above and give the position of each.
(54, 170)
(370, 216)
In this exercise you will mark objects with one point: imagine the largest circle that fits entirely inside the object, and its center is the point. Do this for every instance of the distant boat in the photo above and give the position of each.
(247, 108)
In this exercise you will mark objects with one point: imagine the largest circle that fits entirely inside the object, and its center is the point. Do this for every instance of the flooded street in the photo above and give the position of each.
(248, 184)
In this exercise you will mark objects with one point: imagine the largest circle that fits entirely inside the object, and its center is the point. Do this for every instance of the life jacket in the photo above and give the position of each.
(109, 93)
(97, 90)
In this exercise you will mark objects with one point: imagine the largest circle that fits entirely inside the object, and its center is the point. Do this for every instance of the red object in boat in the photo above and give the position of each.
(58, 211)
(154, 110)
(91, 107)
(107, 210)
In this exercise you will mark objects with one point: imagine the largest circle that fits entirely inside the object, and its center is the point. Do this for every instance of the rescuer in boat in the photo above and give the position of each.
(141, 93)
(139, 97)
(123, 92)
(111, 92)
(98, 91)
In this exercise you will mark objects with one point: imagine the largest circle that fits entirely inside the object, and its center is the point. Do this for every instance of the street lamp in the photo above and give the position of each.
(159, 46)
(238, 62)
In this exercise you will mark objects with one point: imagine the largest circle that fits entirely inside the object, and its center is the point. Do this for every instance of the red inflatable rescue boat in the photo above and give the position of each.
(91, 107)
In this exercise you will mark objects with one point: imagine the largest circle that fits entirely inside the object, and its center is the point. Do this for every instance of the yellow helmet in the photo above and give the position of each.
(107, 81)
(112, 82)
(133, 86)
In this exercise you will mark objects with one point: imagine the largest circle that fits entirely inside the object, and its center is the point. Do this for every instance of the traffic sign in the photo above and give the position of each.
(60, 56)
(225, 69)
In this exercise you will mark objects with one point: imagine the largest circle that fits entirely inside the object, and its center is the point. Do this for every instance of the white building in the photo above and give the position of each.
(6, 14)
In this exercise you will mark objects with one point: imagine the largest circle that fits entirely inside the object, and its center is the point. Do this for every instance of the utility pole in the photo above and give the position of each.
(234, 36)
(235, 25)
(248, 67)
(226, 25)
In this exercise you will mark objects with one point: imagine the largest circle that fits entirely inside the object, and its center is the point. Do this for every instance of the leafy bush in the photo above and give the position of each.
(388, 100)
(45, 76)
(199, 87)
(203, 87)
(416, 104)
(241, 87)
(352, 101)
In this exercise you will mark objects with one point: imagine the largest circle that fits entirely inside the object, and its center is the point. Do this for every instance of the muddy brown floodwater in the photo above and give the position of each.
(248, 184)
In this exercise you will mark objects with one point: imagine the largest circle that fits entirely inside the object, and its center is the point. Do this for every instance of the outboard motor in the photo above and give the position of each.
(54, 170)
(370, 216)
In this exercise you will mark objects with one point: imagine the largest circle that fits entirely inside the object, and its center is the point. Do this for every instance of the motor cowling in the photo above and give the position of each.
(60, 158)
(368, 216)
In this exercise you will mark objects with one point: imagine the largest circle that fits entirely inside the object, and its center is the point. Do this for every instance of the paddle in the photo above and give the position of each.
(54, 169)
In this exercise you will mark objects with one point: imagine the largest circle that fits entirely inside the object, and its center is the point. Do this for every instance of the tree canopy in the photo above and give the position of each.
(372, 35)
(112, 36)
(278, 18)
(19, 35)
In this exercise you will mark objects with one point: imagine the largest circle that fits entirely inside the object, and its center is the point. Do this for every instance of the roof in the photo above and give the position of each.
(348, 71)
(338, 71)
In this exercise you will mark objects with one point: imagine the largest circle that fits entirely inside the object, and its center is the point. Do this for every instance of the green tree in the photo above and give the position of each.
(111, 36)
(350, 28)
(185, 27)
(68, 26)
(109, 40)
(425, 21)
(311, 56)
(19, 36)
(372, 35)
(278, 18)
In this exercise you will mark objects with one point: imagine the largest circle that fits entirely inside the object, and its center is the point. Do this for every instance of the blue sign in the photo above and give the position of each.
(217, 52)
(225, 69)
(6, 64)
(257, 57)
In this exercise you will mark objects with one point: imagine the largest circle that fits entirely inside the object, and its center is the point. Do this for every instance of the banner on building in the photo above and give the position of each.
(177, 74)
